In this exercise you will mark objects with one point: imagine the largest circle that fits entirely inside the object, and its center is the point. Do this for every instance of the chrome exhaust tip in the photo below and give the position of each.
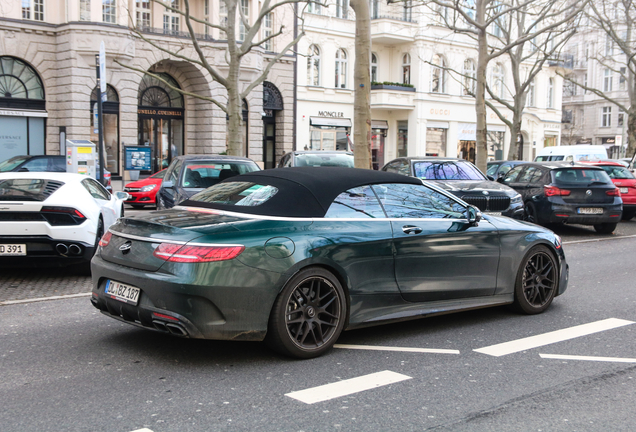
(61, 248)
(74, 249)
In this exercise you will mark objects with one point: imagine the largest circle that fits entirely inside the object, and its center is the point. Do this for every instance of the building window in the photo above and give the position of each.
(109, 11)
(606, 117)
(85, 10)
(342, 9)
(374, 67)
(569, 88)
(341, 69)
(245, 15)
(268, 30)
(143, 14)
(374, 9)
(171, 18)
(408, 10)
(470, 78)
(313, 7)
(585, 84)
(609, 46)
(206, 16)
(498, 80)
(551, 93)
(33, 9)
(607, 80)
(222, 18)
(621, 117)
(530, 96)
(438, 75)
(406, 69)
(313, 66)
(622, 79)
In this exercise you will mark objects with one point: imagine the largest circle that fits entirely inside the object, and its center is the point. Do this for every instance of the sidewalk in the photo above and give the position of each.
(27, 283)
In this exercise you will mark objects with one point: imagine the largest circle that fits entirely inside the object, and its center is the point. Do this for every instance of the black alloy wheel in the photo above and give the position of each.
(530, 213)
(537, 281)
(308, 315)
(605, 228)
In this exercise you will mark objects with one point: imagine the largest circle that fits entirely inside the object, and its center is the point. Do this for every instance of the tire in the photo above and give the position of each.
(530, 213)
(308, 314)
(628, 215)
(121, 213)
(605, 228)
(137, 206)
(100, 233)
(537, 281)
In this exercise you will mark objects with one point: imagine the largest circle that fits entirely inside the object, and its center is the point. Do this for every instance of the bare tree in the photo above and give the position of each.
(478, 19)
(362, 83)
(616, 54)
(242, 38)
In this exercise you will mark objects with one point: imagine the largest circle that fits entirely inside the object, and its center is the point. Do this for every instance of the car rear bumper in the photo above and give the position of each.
(560, 213)
(44, 250)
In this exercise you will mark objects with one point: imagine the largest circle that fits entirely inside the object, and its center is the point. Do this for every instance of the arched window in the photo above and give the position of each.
(470, 78)
(406, 69)
(551, 93)
(155, 93)
(497, 80)
(438, 74)
(313, 66)
(374, 67)
(20, 85)
(341, 68)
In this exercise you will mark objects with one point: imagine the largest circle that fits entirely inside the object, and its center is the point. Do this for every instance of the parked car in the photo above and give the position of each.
(498, 169)
(464, 180)
(317, 158)
(144, 192)
(565, 192)
(572, 153)
(625, 181)
(44, 163)
(189, 174)
(53, 218)
(295, 258)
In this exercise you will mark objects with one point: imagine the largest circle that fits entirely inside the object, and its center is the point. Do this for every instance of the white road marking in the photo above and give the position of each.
(142, 430)
(39, 299)
(588, 358)
(598, 239)
(347, 387)
(552, 337)
(398, 349)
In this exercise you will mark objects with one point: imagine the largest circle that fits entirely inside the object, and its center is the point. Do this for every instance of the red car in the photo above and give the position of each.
(143, 192)
(625, 181)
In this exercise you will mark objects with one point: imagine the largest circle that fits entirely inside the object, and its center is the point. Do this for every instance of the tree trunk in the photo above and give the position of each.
(234, 103)
(362, 84)
(631, 131)
(515, 128)
(481, 138)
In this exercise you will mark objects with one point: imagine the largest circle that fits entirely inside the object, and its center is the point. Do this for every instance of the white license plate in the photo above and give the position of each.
(12, 249)
(624, 190)
(122, 292)
(590, 210)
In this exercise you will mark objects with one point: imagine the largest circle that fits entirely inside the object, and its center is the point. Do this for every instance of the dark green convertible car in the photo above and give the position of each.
(295, 256)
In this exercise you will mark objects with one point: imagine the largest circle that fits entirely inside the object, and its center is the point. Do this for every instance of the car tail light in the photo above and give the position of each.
(62, 215)
(103, 242)
(197, 254)
(613, 192)
(555, 191)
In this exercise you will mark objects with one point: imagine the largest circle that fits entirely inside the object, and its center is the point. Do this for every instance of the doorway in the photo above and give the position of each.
(164, 138)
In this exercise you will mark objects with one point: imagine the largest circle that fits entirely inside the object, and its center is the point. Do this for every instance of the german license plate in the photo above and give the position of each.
(12, 249)
(122, 292)
(624, 190)
(590, 210)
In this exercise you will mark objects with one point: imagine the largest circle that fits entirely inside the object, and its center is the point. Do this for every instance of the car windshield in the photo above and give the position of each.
(328, 159)
(580, 177)
(618, 172)
(236, 193)
(159, 175)
(448, 170)
(27, 189)
(203, 174)
(10, 164)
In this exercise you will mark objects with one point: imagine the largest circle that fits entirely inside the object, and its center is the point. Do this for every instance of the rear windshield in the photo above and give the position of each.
(337, 160)
(236, 193)
(618, 172)
(10, 164)
(202, 174)
(27, 189)
(453, 170)
(580, 177)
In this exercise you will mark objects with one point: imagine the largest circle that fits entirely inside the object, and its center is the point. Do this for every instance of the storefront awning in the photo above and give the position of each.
(379, 124)
(326, 121)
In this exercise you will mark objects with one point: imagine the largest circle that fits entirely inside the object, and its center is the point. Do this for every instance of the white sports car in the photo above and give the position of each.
(55, 219)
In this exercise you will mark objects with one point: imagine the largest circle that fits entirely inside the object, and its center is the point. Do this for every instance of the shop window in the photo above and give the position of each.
(328, 138)
(402, 138)
(435, 142)
(110, 111)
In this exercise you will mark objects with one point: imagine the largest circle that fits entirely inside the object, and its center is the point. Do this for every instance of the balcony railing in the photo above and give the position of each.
(395, 17)
(174, 33)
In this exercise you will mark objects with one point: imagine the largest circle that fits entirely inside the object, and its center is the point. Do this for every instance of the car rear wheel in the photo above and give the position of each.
(537, 281)
(605, 228)
(308, 315)
(531, 213)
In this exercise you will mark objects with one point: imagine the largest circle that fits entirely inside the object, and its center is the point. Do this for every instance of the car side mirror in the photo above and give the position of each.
(474, 215)
(122, 195)
(167, 184)
(500, 178)
(491, 178)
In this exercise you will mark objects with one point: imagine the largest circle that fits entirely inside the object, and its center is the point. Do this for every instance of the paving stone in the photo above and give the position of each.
(29, 283)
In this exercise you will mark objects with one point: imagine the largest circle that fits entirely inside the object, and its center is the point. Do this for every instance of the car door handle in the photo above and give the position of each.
(411, 229)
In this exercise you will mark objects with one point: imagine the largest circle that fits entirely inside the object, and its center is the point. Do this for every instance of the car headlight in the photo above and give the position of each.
(148, 188)
(516, 199)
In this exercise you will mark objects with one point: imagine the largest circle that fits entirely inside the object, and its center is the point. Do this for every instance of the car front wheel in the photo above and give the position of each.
(605, 228)
(308, 315)
(537, 281)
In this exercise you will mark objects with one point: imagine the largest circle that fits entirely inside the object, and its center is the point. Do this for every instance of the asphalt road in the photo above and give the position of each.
(66, 367)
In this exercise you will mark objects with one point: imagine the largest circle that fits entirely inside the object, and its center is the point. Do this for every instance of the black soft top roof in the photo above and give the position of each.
(304, 191)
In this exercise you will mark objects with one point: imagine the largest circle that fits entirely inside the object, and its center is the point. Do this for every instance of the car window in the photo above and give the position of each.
(504, 169)
(236, 193)
(96, 190)
(27, 189)
(38, 164)
(173, 175)
(328, 159)
(449, 170)
(580, 176)
(10, 164)
(492, 169)
(392, 167)
(417, 201)
(57, 164)
(159, 175)
(527, 175)
(512, 175)
(536, 177)
(358, 202)
(203, 174)
(616, 172)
